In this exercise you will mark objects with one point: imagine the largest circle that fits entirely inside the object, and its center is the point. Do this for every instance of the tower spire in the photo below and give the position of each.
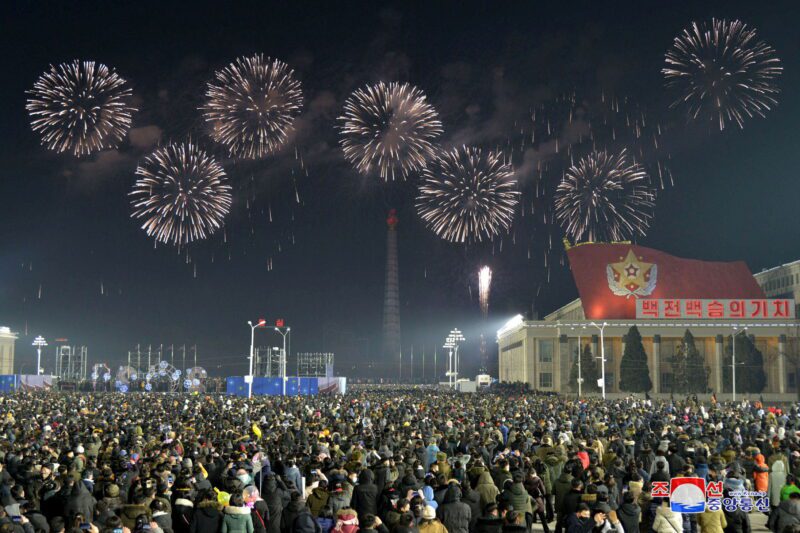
(391, 295)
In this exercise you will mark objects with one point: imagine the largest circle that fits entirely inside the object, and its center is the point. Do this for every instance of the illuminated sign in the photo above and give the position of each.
(751, 309)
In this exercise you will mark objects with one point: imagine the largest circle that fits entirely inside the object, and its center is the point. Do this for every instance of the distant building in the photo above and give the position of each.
(7, 340)
(541, 353)
(782, 282)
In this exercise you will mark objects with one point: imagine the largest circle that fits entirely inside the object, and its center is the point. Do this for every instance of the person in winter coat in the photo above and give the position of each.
(346, 521)
(443, 465)
(490, 521)
(292, 474)
(712, 521)
(274, 499)
(427, 493)
(486, 488)
(161, 516)
(471, 498)
(129, 512)
(667, 520)
(535, 488)
(787, 514)
(182, 513)
(295, 507)
(338, 497)
(236, 517)
(453, 513)
(738, 521)
(629, 513)
(207, 515)
(365, 495)
(777, 479)
(429, 523)
(318, 498)
(760, 474)
(80, 501)
(304, 523)
(259, 511)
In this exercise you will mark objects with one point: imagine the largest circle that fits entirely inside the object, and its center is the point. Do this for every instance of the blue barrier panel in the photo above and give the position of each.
(262, 386)
(8, 383)
(235, 386)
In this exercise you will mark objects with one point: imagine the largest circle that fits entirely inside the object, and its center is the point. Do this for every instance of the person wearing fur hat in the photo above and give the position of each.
(429, 522)
(346, 521)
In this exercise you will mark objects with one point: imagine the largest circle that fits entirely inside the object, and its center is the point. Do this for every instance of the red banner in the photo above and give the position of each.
(612, 277)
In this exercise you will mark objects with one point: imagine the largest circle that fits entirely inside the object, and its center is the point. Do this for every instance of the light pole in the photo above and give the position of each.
(284, 332)
(261, 323)
(733, 361)
(449, 345)
(39, 342)
(602, 357)
(456, 337)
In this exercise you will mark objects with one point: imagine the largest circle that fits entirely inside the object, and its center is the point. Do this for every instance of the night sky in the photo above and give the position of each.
(74, 264)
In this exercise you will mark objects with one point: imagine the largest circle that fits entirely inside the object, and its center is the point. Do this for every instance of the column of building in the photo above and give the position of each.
(716, 365)
(656, 378)
(563, 351)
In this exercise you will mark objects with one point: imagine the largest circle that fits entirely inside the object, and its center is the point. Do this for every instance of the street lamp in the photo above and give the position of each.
(39, 342)
(260, 324)
(602, 356)
(455, 337)
(733, 361)
(284, 332)
(449, 345)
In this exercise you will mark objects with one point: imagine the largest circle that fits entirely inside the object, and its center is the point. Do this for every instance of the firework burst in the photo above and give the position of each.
(389, 127)
(80, 107)
(484, 288)
(722, 71)
(468, 195)
(251, 105)
(181, 194)
(604, 197)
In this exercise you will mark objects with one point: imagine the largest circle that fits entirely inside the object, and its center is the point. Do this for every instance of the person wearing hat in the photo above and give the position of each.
(454, 514)
(429, 523)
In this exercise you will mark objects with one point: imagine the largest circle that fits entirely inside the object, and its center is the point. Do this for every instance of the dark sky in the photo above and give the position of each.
(73, 264)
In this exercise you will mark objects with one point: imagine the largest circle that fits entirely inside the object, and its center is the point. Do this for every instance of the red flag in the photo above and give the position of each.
(611, 277)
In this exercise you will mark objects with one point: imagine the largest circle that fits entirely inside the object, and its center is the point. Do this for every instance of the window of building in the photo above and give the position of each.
(666, 381)
(610, 380)
(545, 380)
(546, 350)
(792, 381)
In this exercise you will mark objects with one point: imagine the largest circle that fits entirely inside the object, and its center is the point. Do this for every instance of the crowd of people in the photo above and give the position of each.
(386, 461)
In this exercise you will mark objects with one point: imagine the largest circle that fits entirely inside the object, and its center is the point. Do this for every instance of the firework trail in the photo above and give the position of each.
(723, 72)
(468, 195)
(604, 197)
(484, 288)
(80, 107)
(181, 194)
(389, 127)
(251, 105)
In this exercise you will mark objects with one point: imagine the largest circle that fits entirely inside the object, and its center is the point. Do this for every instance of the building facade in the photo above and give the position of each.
(541, 353)
(782, 282)
(7, 341)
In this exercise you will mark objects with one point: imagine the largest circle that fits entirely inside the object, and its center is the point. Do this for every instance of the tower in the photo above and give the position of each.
(391, 295)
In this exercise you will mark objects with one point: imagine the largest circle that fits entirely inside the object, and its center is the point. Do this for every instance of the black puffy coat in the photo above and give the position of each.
(365, 495)
(207, 517)
(182, 513)
(453, 513)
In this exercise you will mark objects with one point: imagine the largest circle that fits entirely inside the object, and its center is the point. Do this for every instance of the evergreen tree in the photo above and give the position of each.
(750, 376)
(588, 372)
(695, 369)
(634, 374)
(680, 378)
